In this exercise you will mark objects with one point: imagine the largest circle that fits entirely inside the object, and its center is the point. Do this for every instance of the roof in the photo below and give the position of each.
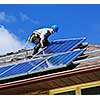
(87, 70)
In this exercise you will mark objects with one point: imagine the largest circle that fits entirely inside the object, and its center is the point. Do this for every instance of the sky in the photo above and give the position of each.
(18, 21)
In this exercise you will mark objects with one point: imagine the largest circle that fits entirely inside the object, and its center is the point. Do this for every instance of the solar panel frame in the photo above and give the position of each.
(84, 38)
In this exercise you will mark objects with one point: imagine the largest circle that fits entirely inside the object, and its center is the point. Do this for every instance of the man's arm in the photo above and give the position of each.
(30, 38)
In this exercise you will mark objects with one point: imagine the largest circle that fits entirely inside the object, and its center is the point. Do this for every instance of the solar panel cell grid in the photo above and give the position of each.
(36, 62)
(64, 58)
(40, 67)
(2, 69)
(20, 68)
(61, 46)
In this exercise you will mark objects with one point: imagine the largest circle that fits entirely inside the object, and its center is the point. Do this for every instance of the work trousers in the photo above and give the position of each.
(38, 45)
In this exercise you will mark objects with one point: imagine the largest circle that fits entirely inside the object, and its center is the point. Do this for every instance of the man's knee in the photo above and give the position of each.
(45, 42)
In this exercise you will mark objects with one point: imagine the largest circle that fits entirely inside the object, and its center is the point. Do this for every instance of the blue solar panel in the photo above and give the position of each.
(62, 46)
(58, 60)
(65, 58)
(18, 69)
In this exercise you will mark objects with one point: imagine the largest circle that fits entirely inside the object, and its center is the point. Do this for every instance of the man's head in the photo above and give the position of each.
(55, 28)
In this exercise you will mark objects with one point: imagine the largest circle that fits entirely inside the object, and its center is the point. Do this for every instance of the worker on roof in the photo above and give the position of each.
(40, 37)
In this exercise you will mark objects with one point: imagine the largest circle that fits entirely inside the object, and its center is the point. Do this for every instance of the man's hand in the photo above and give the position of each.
(27, 42)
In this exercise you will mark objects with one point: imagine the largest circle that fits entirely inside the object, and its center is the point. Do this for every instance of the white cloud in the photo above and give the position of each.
(8, 41)
(25, 17)
(7, 18)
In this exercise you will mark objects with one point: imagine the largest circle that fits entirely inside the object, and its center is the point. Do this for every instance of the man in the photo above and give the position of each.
(40, 37)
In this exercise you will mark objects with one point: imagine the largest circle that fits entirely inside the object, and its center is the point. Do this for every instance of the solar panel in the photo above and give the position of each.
(38, 65)
(61, 46)
(58, 60)
(18, 69)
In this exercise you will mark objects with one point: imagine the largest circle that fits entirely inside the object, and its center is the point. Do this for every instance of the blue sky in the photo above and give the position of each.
(74, 20)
